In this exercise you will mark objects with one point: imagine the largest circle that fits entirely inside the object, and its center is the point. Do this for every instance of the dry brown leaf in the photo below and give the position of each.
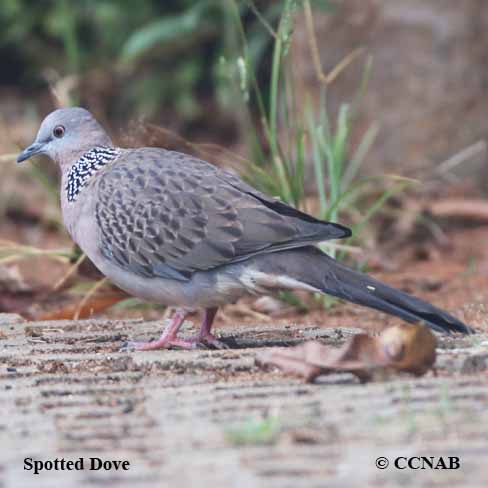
(401, 348)
(91, 307)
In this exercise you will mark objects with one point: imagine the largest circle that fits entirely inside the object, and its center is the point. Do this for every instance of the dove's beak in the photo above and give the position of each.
(33, 149)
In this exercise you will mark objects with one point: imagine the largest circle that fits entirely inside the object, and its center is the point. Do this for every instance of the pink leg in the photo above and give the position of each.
(168, 337)
(205, 335)
(207, 323)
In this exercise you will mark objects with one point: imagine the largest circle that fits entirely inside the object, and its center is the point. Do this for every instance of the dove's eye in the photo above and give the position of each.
(58, 131)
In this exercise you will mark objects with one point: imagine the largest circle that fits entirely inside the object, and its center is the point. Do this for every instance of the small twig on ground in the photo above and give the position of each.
(72, 270)
(7, 158)
(87, 297)
(314, 49)
(475, 209)
(465, 155)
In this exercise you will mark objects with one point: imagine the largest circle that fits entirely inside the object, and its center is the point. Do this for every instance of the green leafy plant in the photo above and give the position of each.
(283, 137)
(280, 168)
(155, 56)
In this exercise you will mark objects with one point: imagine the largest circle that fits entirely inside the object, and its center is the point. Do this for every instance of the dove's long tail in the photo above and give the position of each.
(310, 266)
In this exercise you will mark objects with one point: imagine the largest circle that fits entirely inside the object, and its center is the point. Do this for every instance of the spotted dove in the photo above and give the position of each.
(176, 230)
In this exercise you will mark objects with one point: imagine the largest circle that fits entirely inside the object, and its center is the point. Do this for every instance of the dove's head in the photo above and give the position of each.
(65, 134)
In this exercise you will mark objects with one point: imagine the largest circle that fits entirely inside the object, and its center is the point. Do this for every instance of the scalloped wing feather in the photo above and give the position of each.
(166, 214)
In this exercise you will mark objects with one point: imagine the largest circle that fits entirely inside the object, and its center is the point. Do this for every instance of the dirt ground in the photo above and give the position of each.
(214, 418)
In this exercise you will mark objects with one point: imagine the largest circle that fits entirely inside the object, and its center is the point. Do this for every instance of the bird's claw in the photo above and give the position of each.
(174, 343)
(208, 341)
(212, 342)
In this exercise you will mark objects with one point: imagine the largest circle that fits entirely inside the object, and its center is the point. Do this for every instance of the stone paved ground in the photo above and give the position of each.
(179, 416)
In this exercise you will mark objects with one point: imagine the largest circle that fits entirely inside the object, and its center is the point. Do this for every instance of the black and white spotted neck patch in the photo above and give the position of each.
(86, 166)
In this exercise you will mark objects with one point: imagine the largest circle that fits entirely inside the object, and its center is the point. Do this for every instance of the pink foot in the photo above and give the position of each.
(159, 344)
(168, 338)
(210, 340)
